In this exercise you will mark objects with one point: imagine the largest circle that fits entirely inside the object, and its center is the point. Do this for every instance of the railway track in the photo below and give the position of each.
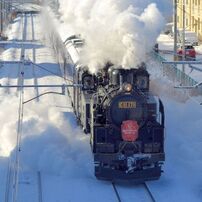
(8, 182)
(148, 194)
(40, 195)
(116, 192)
(12, 181)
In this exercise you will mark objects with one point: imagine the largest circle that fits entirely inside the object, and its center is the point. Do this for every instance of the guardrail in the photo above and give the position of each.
(172, 72)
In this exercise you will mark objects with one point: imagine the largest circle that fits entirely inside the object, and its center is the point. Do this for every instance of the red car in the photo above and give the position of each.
(190, 53)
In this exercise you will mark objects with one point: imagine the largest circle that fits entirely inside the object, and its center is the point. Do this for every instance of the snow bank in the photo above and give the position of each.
(51, 141)
(57, 146)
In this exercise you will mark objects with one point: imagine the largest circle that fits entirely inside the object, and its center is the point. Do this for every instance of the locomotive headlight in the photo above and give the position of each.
(127, 87)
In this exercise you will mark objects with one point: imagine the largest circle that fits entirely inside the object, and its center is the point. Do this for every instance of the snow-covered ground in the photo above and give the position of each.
(181, 180)
(53, 144)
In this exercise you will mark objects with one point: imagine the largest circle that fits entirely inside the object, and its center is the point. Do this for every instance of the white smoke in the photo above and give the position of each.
(61, 142)
(122, 32)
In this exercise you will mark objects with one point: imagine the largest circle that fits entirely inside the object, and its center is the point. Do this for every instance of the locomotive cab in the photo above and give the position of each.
(138, 78)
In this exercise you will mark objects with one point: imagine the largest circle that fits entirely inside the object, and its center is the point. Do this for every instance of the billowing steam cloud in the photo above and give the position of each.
(48, 136)
(114, 30)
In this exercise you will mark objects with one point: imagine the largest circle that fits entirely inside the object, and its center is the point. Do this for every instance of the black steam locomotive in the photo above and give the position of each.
(125, 121)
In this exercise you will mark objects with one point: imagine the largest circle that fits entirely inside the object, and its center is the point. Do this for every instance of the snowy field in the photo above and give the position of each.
(55, 146)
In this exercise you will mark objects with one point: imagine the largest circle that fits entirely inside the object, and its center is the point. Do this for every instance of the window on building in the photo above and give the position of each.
(196, 2)
(178, 19)
(187, 1)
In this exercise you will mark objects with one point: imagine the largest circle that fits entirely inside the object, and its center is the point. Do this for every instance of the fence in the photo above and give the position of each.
(173, 73)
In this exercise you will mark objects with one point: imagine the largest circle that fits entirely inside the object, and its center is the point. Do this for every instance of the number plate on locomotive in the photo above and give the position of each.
(127, 105)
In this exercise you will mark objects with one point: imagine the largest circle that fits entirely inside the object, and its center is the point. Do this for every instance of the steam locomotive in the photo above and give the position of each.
(125, 121)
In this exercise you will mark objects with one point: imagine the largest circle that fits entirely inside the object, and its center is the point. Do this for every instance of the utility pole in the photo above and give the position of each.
(175, 29)
(183, 35)
(4, 12)
(1, 16)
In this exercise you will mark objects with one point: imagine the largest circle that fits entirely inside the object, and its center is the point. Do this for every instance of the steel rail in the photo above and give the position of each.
(8, 181)
(40, 193)
(18, 143)
(116, 192)
(146, 188)
(149, 192)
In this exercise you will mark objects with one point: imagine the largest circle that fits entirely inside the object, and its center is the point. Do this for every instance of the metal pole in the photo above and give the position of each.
(42, 86)
(180, 62)
(175, 29)
(1, 15)
(183, 36)
(4, 13)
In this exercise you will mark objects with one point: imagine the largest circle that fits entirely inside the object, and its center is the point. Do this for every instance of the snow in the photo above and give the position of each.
(53, 144)
(26, 7)
(165, 42)
(181, 180)
(77, 190)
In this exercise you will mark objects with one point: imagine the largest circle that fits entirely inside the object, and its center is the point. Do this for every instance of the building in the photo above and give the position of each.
(193, 15)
